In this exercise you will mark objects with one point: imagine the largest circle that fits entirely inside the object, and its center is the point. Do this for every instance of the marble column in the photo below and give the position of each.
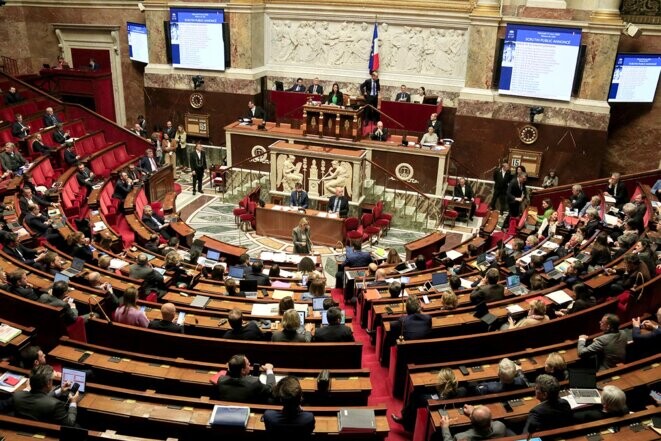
(482, 41)
(156, 12)
(602, 42)
(607, 11)
(247, 30)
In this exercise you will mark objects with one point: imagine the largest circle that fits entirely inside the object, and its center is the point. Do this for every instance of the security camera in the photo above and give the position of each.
(534, 111)
(632, 30)
(141, 7)
(198, 81)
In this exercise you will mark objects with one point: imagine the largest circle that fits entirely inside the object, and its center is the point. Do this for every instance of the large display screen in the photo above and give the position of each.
(539, 62)
(196, 38)
(635, 78)
(138, 46)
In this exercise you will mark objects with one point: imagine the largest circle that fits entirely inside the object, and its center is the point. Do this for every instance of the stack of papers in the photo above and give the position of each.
(559, 297)
(280, 294)
(99, 226)
(453, 255)
(116, 264)
(466, 283)
(11, 382)
(513, 309)
(7, 333)
(264, 309)
(277, 207)
(235, 416)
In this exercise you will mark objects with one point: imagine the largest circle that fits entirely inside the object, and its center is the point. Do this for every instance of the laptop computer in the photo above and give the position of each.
(583, 386)
(482, 313)
(59, 277)
(550, 270)
(75, 268)
(318, 303)
(324, 318)
(439, 281)
(74, 376)
(212, 258)
(515, 287)
(249, 287)
(404, 267)
(235, 272)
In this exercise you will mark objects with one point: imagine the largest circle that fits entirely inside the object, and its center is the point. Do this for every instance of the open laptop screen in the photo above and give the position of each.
(439, 279)
(548, 266)
(213, 255)
(74, 376)
(236, 272)
(513, 281)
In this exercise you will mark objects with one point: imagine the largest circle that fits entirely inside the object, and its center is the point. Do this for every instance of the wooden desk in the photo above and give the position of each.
(279, 223)
(334, 121)
(159, 184)
(230, 252)
(426, 246)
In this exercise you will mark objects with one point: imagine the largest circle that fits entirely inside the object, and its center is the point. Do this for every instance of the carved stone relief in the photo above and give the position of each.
(402, 49)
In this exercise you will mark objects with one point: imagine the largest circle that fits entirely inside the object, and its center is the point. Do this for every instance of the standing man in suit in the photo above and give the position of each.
(488, 289)
(50, 119)
(380, 133)
(609, 348)
(123, 187)
(552, 412)
(617, 190)
(298, 197)
(45, 404)
(338, 203)
(516, 194)
(13, 97)
(255, 111)
(298, 86)
(85, 176)
(198, 163)
(315, 87)
(238, 385)
(370, 89)
(18, 129)
(170, 130)
(300, 237)
(155, 222)
(436, 124)
(335, 331)
(148, 162)
(501, 179)
(403, 95)
(465, 192)
(416, 325)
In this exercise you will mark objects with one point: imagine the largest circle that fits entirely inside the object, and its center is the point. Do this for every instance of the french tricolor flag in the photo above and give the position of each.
(374, 54)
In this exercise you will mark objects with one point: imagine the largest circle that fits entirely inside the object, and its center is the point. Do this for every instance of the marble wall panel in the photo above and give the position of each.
(598, 67)
(481, 54)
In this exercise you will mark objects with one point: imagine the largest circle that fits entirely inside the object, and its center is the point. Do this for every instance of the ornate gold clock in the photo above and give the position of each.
(528, 134)
(196, 100)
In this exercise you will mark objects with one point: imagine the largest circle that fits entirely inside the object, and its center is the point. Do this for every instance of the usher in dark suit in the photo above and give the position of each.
(515, 190)
(198, 164)
(500, 182)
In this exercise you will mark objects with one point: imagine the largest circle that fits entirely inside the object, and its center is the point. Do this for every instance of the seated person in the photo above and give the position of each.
(509, 378)
(152, 279)
(380, 133)
(552, 411)
(316, 287)
(395, 289)
(256, 273)
(429, 138)
(255, 111)
(449, 300)
(488, 290)
(613, 405)
(584, 300)
(233, 288)
(482, 427)
(45, 404)
(595, 202)
(13, 97)
(291, 323)
(29, 199)
(130, 313)
(465, 192)
(550, 180)
(286, 303)
(447, 388)
(241, 387)
(357, 258)
(49, 118)
(38, 146)
(610, 348)
(122, 189)
(617, 190)
(556, 366)
(415, 324)
(299, 197)
(536, 315)
(155, 222)
(50, 264)
(335, 331)
(250, 331)
(291, 422)
(11, 159)
(338, 203)
(167, 323)
(316, 88)
(578, 199)
(40, 224)
(70, 156)
(531, 242)
(19, 285)
(57, 296)
(148, 163)
(298, 86)
(18, 251)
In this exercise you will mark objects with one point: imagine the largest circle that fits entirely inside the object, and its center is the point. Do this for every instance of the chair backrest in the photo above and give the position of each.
(351, 223)
(561, 211)
(366, 220)
(76, 330)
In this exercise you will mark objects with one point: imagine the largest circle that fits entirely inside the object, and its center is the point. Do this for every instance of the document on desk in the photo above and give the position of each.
(453, 255)
(559, 297)
(281, 294)
(465, 283)
(322, 214)
(264, 309)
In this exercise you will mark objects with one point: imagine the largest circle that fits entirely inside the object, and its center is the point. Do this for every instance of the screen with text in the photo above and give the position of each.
(138, 46)
(196, 37)
(539, 62)
(635, 78)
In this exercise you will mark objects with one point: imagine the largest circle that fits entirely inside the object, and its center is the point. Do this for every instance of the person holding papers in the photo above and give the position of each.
(465, 192)
(536, 315)
(301, 237)
(239, 386)
(429, 138)
(291, 422)
(298, 197)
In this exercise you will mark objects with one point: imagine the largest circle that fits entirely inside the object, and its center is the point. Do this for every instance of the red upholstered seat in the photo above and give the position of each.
(354, 230)
(242, 209)
(451, 215)
(367, 221)
(381, 219)
(76, 330)
(249, 216)
(481, 208)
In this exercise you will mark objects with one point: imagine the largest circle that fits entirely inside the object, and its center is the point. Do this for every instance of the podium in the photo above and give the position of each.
(333, 121)
(159, 184)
